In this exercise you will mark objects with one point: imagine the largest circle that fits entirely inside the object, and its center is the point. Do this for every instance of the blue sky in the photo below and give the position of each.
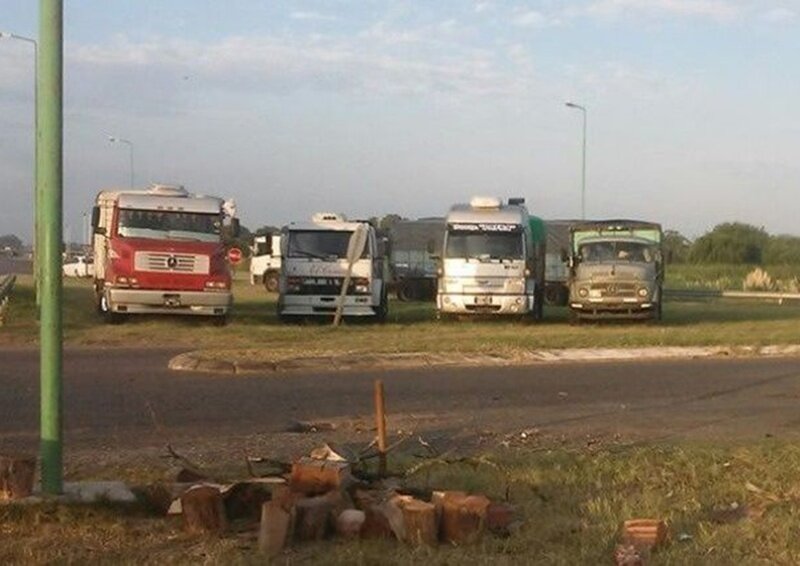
(375, 107)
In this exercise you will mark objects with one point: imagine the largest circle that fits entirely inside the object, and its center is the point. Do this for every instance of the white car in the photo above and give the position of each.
(79, 266)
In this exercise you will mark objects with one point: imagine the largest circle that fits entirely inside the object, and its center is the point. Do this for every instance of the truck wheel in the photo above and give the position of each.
(382, 312)
(220, 320)
(109, 316)
(271, 282)
(573, 318)
(404, 291)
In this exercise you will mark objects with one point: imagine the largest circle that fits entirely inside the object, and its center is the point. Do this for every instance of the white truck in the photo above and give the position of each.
(265, 261)
(314, 268)
(161, 251)
(493, 260)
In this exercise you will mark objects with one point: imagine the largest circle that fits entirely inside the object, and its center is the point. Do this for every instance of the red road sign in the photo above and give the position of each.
(234, 255)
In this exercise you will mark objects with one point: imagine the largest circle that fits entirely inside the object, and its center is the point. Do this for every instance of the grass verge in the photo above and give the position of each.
(572, 502)
(255, 331)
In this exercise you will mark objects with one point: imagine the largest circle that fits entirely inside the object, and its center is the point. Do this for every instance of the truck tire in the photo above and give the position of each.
(220, 320)
(382, 312)
(108, 316)
(405, 292)
(271, 282)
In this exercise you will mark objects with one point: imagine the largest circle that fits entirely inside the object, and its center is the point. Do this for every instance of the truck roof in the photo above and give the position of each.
(611, 225)
(505, 214)
(338, 225)
(160, 197)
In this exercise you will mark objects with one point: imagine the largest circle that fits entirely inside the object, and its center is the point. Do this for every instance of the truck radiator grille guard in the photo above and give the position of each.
(166, 262)
(614, 289)
(323, 286)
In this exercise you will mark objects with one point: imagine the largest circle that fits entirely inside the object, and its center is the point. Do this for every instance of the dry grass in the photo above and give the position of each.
(572, 502)
(411, 328)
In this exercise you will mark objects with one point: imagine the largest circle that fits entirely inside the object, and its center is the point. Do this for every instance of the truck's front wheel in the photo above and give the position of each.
(271, 282)
(108, 315)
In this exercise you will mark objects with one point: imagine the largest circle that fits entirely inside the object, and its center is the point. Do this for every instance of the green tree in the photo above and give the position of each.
(731, 242)
(676, 247)
(782, 250)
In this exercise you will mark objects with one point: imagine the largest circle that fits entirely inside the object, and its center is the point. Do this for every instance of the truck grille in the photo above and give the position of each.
(615, 289)
(171, 262)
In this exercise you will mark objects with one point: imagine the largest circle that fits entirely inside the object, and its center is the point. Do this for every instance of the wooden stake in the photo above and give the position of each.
(380, 422)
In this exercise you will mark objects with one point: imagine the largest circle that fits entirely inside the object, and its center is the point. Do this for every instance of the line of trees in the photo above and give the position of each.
(733, 243)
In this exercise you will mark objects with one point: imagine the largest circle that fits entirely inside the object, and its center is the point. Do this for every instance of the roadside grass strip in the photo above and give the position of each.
(736, 504)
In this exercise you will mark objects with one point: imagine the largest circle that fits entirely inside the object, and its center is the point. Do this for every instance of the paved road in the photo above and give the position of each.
(128, 397)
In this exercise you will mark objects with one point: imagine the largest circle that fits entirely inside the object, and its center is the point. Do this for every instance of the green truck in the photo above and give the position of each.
(616, 270)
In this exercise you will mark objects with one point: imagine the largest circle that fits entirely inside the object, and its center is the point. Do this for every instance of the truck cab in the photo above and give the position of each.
(265, 261)
(616, 270)
(315, 265)
(493, 260)
(160, 251)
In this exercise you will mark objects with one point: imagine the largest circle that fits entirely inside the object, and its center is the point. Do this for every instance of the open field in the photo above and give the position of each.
(411, 328)
(724, 505)
(726, 277)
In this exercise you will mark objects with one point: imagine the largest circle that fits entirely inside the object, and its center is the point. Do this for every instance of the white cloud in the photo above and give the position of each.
(312, 16)
(779, 15)
(530, 19)
(716, 10)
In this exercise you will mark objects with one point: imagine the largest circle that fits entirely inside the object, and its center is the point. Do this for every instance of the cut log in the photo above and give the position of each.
(277, 525)
(349, 523)
(463, 518)
(244, 500)
(644, 533)
(313, 517)
(204, 510)
(315, 477)
(419, 519)
(499, 518)
(16, 476)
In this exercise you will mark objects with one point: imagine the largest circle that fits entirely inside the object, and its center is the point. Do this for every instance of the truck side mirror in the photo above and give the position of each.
(564, 256)
(235, 227)
(96, 228)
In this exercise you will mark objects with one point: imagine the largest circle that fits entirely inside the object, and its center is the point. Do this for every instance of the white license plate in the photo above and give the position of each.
(483, 300)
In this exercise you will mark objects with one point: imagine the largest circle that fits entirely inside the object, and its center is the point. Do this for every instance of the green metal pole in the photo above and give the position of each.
(49, 165)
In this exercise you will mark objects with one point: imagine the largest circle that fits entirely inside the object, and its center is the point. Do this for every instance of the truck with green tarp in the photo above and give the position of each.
(616, 270)
(493, 260)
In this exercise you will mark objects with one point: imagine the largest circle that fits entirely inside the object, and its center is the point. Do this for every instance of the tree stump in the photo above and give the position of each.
(204, 510)
(16, 476)
(419, 518)
(316, 477)
(464, 518)
(313, 517)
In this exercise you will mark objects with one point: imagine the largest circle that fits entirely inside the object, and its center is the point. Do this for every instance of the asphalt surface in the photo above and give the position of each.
(128, 398)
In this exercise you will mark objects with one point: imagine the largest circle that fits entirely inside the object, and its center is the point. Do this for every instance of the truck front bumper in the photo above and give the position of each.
(451, 303)
(142, 301)
(316, 305)
(613, 310)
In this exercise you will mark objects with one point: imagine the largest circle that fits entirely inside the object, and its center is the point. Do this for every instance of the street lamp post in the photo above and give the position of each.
(37, 237)
(115, 139)
(583, 168)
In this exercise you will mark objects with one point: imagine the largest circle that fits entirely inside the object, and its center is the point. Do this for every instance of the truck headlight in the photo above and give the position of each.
(583, 292)
(642, 292)
(515, 285)
(361, 286)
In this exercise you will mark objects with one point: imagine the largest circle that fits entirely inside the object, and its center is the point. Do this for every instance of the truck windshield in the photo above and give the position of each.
(169, 225)
(484, 245)
(630, 252)
(321, 244)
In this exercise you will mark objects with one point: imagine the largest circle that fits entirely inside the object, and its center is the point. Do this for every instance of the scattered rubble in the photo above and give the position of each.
(16, 476)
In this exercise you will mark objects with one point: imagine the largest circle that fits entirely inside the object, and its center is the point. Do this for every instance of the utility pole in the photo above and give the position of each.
(583, 168)
(50, 168)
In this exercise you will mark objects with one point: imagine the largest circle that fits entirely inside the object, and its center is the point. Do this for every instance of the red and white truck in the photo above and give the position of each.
(160, 250)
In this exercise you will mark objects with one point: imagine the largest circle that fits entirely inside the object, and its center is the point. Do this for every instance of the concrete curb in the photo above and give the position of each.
(196, 361)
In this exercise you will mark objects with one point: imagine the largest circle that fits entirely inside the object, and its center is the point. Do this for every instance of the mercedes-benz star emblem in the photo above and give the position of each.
(172, 262)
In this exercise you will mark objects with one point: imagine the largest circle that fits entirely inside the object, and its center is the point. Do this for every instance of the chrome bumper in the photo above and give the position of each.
(451, 303)
(142, 301)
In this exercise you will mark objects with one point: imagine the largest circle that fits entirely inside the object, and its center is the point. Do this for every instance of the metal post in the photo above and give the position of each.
(50, 120)
(583, 168)
(380, 425)
(115, 139)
